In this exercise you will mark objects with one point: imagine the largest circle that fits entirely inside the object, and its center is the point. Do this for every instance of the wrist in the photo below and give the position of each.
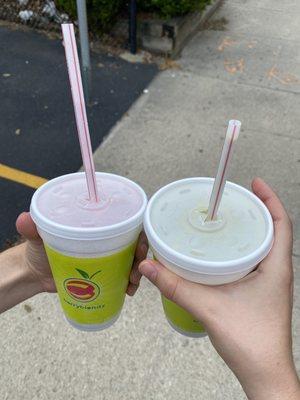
(278, 383)
(17, 282)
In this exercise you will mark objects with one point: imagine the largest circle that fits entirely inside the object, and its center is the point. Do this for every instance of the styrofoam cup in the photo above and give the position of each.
(171, 225)
(90, 264)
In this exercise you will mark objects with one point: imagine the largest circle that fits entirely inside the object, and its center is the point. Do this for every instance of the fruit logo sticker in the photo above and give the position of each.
(83, 290)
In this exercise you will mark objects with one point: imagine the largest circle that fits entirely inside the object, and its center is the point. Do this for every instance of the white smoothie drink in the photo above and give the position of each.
(89, 223)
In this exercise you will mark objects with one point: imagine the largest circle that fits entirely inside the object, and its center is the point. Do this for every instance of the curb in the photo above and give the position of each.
(168, 37)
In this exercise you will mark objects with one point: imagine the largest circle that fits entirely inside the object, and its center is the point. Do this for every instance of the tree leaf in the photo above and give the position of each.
(84, 274)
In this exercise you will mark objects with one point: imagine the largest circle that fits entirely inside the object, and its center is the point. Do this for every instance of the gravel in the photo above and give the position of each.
(40, 14)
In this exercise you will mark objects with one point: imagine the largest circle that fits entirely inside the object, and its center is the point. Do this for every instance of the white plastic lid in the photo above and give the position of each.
(204, 266)
(121, 220)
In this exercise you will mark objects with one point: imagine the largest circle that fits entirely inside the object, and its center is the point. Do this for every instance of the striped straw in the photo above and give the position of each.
(232, 134)
(80, 110)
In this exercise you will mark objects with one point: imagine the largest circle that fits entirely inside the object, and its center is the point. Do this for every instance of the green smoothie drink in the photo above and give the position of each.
(181, 320)
(209, 231)
(212, 253)
(90, 246)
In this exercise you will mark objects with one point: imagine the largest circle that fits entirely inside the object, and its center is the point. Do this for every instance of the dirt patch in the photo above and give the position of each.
(216, 24)
(27, 308)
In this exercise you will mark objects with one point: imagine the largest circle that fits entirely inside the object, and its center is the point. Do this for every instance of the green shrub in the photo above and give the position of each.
(102, 13)
(172, 8)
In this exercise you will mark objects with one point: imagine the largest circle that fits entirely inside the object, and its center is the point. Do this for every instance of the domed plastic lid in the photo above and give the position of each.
(61, 206)
(239, 240)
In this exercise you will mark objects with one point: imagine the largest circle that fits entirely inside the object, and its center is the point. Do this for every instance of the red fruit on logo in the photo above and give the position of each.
(82, 289)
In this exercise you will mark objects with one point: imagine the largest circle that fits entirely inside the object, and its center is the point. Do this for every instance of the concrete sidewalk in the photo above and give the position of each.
(248, 69)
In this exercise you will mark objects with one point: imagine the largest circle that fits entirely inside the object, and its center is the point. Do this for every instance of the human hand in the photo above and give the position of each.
(34, 255)
(140, 255)
(248, 321)
(35, 259)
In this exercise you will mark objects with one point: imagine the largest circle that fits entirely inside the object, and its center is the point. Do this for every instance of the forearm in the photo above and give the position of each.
(17, 282)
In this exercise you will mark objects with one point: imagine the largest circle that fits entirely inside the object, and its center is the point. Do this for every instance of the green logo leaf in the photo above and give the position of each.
(84, 274)
(95, 273)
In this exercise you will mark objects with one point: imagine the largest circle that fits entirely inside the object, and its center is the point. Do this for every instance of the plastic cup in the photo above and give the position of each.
(212, 253)
(90, 246)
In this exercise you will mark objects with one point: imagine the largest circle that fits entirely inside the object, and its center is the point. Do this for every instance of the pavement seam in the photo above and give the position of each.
(138, 105)
(241, 83)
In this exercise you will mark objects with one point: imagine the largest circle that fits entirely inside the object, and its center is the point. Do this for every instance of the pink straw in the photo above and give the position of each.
(80, 110)
(220, 180)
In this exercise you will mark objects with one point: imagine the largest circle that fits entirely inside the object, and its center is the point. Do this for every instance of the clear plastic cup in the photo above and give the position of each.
(90, 247)
(213, 253)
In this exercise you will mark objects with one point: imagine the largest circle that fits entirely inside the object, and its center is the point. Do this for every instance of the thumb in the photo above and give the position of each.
(26, 227)
(193, 297)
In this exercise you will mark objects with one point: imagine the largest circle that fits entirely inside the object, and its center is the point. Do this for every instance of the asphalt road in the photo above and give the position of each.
(37, 130)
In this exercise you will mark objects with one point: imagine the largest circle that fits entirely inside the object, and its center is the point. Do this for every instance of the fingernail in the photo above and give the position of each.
(148, 270)
(131, 289)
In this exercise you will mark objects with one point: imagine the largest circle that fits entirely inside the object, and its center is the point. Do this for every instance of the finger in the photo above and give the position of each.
(135, 275)
(141, 251)
(26, 227)
(143, 238)
(271, 200)
(195, 298)
(131, 289)
(140, 255)
(282, 224)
